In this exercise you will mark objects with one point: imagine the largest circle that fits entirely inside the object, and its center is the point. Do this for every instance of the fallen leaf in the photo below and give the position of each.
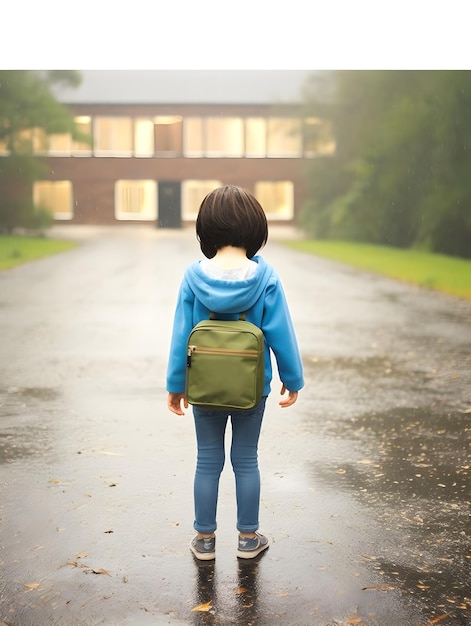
(101, 571)
(203, 607)
(75, 564)
(353, 620)
(108, 532)
(108, 453)
(32, 586)
(55, 481)
(81, 555)
(435, 620)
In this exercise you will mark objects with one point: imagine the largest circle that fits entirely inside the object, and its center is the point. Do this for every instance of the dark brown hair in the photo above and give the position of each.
(231, 216)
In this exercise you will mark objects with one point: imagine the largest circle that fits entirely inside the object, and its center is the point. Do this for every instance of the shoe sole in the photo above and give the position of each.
(241, 554)
(203, 556)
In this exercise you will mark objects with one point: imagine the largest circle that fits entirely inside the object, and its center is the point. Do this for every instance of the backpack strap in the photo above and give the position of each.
(212, 316)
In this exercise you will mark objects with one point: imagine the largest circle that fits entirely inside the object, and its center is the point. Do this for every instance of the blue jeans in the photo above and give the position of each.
(210, 434)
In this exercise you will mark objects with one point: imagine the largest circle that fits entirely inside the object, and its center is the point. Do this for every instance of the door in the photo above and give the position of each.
(170, 204)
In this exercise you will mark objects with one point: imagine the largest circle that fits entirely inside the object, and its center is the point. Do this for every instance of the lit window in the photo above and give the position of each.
(193, 137)
(136, 200)
(284, 137)
(54, 196)
(40, 141)
(22, 141)
(318, 137)
(255, 137)
(113, 136)
(83, 124)
(276, 198)
(193, 193)
(143, 138)
(168, 135)
(60, 145)
(224, 137)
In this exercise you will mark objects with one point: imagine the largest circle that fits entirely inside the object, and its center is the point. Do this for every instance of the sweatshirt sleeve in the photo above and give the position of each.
(182, 325)
(281, 337)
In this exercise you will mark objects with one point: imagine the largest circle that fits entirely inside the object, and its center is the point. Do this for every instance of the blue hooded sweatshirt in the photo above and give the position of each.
(260, 296)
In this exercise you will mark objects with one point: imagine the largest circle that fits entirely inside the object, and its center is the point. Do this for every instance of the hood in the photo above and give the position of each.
(228, 296)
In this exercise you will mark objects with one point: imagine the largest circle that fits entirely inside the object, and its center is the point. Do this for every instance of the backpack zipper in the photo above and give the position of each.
(219, 352)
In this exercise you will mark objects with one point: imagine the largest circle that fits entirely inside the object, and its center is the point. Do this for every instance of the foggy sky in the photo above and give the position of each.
(187, 86)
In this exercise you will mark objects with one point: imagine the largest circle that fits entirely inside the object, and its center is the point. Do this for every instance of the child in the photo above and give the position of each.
(231, 228)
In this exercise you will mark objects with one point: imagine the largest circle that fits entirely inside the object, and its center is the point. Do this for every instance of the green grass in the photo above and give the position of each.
(16, 250)
(438, 272)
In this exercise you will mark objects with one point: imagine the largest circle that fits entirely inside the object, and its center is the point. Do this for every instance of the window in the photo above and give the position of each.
(193, 193)
(224, 137)
(40, 141)
(255, 137)
(277, 199)
(168, 135)
(58, 144)
(54, 196)
(62, 144)
(83, 124)
(23, 141)
(143, 137)
(318, 137)
(136, 200)
(284, 137)
(113, 136)
(193, 137)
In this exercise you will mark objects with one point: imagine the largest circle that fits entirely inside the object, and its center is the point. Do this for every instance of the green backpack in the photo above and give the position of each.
(225, 364)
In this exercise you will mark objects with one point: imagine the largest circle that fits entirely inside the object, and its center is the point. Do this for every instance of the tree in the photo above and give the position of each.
(401, 172)
(27, 106)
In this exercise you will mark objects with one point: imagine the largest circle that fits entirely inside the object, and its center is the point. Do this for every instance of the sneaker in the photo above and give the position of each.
(204, 549)
(251, 547)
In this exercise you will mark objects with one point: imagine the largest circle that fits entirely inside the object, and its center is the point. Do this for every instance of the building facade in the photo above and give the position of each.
(153, 164)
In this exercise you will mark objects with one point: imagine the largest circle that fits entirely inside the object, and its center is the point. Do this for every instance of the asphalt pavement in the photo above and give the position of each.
(365, 480)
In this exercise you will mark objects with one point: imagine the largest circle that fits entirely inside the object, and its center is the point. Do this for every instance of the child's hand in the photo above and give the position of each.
(174, 403)
(291, 399)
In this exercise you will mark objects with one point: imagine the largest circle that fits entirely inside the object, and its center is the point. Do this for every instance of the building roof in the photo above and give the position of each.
(186, 87)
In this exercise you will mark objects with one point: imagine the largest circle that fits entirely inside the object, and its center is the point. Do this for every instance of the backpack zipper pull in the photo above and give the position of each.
(188, 355)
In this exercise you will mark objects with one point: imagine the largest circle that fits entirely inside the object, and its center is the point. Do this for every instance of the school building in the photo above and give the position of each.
(161, 140)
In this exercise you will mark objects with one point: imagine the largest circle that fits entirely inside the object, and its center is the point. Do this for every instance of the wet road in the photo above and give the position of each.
(365, 481)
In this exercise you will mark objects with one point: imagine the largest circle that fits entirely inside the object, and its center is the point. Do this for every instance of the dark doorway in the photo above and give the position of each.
(170, 204)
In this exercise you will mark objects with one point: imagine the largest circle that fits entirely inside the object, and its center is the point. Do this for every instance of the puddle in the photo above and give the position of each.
(25, 425)
(410, 467)
(37, 393)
